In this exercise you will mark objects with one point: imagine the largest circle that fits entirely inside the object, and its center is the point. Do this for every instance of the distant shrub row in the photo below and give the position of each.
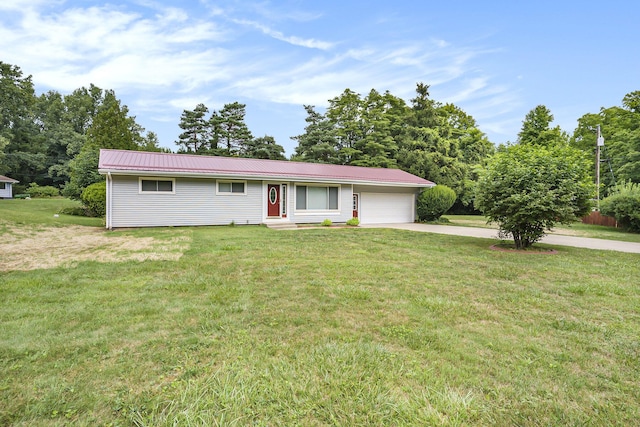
(45, 192)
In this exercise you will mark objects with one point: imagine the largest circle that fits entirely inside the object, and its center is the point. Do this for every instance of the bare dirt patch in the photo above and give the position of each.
(30, 249)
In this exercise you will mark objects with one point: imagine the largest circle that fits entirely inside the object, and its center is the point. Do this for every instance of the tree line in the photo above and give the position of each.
(224, 133)
(54, 139)
(438, 142)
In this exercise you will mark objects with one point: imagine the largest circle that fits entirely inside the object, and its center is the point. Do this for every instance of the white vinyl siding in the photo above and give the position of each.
(5, 190)
(194, 202)
(197, 201)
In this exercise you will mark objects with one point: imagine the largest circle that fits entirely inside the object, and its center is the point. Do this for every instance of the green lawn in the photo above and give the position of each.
(42, 212)
(576, 229)
(253, 326)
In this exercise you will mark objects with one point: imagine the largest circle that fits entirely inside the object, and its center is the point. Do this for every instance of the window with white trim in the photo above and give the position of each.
(313, 198)
(284, 200)
(3, 186)
(157, 185)
(231, 187)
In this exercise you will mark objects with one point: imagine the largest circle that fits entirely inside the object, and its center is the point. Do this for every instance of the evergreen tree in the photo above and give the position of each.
(382, 116)
(233, 132)
(150, 142)
(196, 136)
(536, 129)
(427, 149)
(318, 143)
(263, 147)
(345, 115)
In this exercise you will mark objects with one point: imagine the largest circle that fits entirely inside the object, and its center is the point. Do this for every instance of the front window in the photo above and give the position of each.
(3, 185)
(316, 198)
(156, 185)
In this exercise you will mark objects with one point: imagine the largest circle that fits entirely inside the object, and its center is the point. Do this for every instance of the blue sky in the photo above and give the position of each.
(496, 60)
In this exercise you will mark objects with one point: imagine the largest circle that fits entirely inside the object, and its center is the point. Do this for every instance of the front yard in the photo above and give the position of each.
(252, 326)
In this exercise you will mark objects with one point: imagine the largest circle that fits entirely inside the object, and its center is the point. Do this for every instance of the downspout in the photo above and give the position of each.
(109, 189)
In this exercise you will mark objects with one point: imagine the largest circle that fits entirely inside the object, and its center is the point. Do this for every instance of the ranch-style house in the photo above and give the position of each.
(146, 189)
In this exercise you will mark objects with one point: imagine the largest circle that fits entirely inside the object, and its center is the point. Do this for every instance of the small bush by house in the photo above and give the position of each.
(354, 222)
(434, 202)
(94, 198)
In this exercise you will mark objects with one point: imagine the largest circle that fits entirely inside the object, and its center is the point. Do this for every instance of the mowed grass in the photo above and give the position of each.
(324, 327)
(37, 212)
(575, 229)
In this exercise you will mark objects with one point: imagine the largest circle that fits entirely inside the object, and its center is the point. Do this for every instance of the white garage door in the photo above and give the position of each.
(386, 208)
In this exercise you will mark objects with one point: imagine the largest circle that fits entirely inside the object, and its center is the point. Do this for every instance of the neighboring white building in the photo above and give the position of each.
(146, 189)
(6, 185)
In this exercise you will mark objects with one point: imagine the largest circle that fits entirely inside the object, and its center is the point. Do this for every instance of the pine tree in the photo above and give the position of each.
(196, 135)
(263, 147)
(318, 143)
(233, 131)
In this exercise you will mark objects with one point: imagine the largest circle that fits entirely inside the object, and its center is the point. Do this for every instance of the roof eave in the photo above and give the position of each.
(299, 178)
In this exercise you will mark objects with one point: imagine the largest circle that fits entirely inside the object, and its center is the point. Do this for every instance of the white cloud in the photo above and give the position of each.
(294, 40)
(114, 48)
(21, 5)
(167, 59)
(397, 69)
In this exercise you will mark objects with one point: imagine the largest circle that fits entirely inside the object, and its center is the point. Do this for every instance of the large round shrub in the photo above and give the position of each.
(94, 198)
(624, 205)
(434, 202)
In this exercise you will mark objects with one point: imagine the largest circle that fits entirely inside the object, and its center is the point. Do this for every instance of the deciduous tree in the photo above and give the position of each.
(25, 158)
(620, 127)
(111, 128)
(527, 188)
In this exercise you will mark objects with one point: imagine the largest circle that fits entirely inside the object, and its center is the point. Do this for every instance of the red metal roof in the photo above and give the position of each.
(7, 179)
(120, 161)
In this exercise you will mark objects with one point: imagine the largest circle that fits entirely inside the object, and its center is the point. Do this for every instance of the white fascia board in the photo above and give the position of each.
(258, 177)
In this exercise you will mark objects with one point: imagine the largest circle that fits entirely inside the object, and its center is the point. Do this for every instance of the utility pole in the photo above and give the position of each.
(599, 143)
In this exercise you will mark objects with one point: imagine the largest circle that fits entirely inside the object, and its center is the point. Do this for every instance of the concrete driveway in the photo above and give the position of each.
(488, 233)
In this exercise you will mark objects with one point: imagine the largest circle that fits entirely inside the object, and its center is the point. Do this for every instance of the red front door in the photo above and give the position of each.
(273, 200)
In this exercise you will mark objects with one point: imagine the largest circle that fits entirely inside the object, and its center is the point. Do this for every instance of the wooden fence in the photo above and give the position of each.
(596, 218)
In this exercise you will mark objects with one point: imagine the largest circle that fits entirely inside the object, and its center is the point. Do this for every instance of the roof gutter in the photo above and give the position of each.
(173, 174)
